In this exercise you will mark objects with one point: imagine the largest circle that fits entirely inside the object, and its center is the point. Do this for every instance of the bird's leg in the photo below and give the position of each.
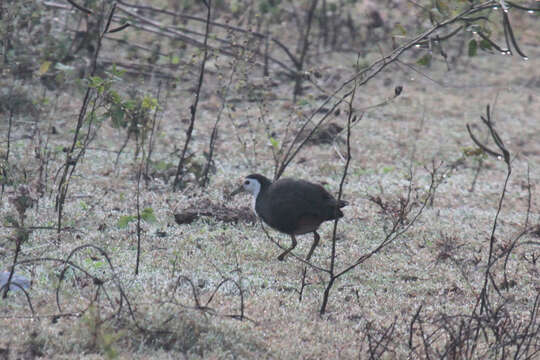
(316, 239)
(293, 245)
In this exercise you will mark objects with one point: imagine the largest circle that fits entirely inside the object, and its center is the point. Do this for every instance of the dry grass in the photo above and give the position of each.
(438, 264)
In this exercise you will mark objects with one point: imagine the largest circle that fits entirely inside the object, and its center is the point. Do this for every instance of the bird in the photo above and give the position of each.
(292, 206)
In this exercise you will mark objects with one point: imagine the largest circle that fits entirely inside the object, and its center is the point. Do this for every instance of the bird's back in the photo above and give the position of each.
(288, 202)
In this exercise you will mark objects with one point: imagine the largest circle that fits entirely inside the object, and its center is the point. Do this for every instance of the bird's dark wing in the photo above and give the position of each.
(327, 206)
(292, 200)
(286, 213)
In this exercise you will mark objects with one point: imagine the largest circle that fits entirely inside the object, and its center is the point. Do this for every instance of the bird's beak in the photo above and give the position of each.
(237, 191)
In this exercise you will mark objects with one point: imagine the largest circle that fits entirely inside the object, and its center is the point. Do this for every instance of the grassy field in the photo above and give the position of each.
(212, 288)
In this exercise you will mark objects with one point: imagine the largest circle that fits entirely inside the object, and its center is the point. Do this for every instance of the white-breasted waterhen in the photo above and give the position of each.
(291, 206)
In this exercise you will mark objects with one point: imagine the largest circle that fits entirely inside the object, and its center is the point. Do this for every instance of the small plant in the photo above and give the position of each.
(89, 113)
(100, 335)
(22, 200)
(147, 215)
(133, 114)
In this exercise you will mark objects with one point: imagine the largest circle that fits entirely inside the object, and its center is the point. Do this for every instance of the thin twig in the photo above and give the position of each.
(151, 140)
(139, 174)
(213, 137)
(350, 119)
(303, 52)
(193, 109)
(364, 77)
(71, 160)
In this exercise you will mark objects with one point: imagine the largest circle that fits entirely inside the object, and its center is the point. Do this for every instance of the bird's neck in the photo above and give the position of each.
(254, 205)
(258, 194)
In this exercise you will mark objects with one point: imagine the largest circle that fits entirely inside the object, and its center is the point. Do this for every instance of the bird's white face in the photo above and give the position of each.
(252, 186)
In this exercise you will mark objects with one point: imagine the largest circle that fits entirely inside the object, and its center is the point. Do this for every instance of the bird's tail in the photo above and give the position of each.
(337, 213)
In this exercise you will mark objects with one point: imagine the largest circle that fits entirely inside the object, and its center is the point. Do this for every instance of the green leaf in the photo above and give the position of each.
(96, 264)
(424, 60)
(22, 234)
(148, 215)
(399, 30)
(117, 72)
(95, 81)
(473, 47)
(114, 97)
(442, 6)
(162, 165)
(264, 7)
(484, 45)
(10, 220)
(124, 221)
(436, 13)
(44, 67)
(117, 115)
(149, 103)
(274, 143)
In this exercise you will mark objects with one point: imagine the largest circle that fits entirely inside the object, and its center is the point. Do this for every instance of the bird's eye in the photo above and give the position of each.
(246, 182)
